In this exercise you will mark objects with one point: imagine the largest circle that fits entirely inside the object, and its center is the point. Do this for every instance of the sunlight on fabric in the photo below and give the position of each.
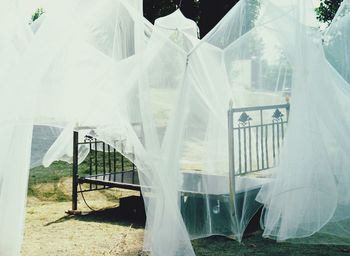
(252, 116)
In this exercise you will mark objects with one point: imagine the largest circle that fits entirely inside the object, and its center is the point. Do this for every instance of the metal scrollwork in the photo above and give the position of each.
(244, 119)
(90, 136)
(277, 116)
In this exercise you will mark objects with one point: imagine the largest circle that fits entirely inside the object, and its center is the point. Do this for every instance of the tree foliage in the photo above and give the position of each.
(207, 13)
(37, 14)
(327, 10)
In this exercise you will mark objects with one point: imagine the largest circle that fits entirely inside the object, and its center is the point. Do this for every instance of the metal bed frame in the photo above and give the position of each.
(246, 157)
(103, 168)
(255, 136)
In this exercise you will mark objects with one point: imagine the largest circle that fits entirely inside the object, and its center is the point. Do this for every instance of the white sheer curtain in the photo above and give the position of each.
(308, 195)
(177, 88)
(336, 41)
(41, 75)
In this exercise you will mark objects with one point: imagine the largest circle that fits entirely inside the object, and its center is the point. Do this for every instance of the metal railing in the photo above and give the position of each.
(255, 137)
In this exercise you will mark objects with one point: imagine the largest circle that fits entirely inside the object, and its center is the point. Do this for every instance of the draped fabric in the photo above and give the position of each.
(336, 41)
(159, 95)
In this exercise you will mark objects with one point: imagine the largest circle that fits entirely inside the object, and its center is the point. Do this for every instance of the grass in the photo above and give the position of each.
(45, 182)
(256, 245)
(53, 173)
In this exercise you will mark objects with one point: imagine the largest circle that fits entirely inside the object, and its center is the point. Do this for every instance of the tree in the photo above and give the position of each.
(211, 12)
(327, 10)
(37, 14)
(207, 13)
(153, 9)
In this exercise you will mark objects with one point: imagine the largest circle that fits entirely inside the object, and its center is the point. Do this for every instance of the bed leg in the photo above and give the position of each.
(232, 176)
(75, 172)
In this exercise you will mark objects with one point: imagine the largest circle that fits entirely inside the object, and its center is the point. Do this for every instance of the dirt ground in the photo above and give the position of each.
(112, 231)
(49, 231)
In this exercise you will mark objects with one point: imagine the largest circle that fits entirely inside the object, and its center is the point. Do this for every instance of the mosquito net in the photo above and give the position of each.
(14, 41)
(177, 20)
(336, 41)
(69, 55)
(262, 53)
(107, 32)
(161, 96)
(193, 190)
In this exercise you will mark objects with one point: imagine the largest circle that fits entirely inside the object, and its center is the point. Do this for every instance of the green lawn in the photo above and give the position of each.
(258, 246)
(40, 177)
(52, 175)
